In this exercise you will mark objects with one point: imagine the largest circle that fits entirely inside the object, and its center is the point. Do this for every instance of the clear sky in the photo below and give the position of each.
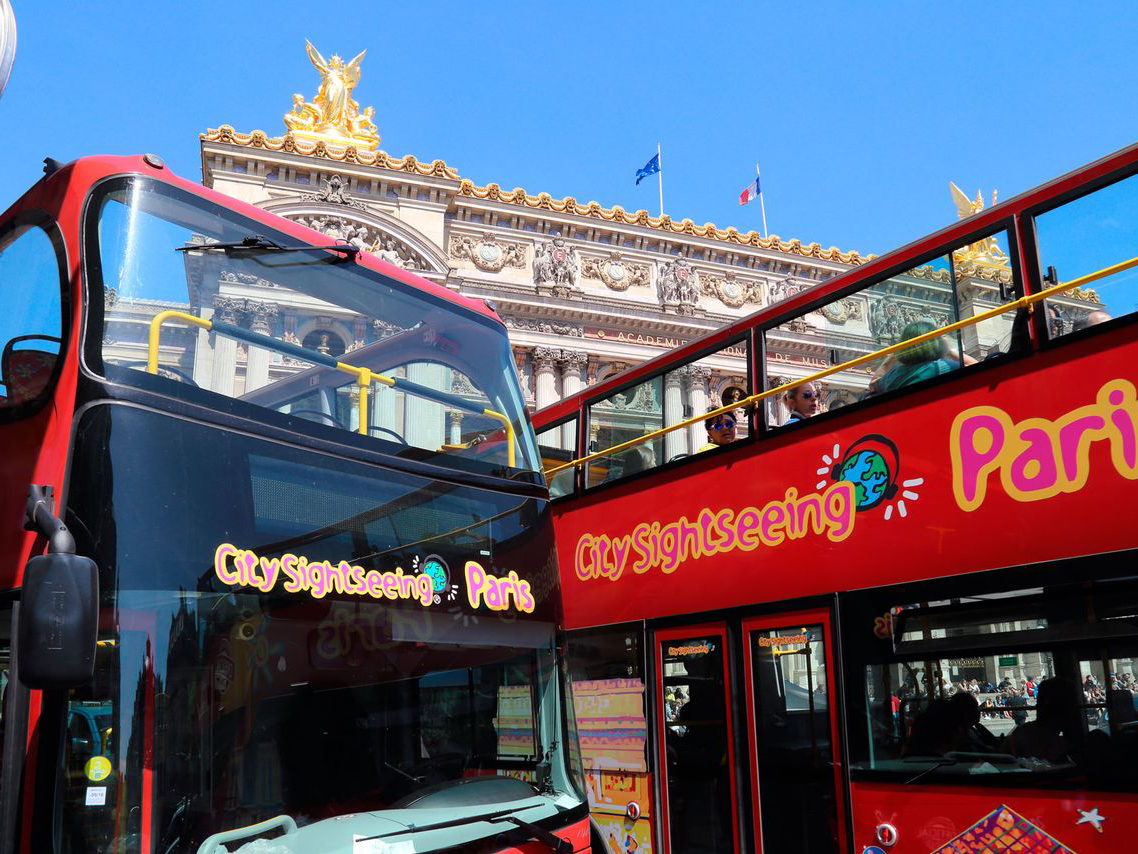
(859, 113)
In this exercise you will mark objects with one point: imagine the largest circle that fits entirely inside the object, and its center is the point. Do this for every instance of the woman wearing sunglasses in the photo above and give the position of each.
(803, 402)
(720, 430)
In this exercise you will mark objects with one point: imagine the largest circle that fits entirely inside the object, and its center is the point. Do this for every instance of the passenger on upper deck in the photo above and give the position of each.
(919, 362)
(804, 401)
(720, 430)
(1091, 319)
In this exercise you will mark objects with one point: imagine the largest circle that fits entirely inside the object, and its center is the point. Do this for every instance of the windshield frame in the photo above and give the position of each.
(93, 364)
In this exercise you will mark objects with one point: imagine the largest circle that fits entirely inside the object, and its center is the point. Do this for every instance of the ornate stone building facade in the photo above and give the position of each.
(585, 290)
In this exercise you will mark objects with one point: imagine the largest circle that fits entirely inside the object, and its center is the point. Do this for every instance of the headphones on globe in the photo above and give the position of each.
(873, 439)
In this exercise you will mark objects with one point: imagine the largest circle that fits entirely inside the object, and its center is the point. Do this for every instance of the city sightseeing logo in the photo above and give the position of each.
(428, 584)
(865, 477)
(873, 465)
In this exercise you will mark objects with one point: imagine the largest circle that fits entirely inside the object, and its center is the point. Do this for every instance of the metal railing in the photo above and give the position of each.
(364, 377)
(1025, 302)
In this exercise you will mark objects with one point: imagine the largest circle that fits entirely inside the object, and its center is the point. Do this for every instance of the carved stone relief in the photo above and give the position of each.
(731, 291)
(784, 288)
(488, 252)
(843, 311)
(888, 318)
(333, 193)
(531, 325)
(616, 273)
(555, 265)
(366, 238)
(678, 285)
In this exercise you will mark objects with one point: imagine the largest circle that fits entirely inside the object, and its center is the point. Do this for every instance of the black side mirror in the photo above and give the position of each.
(59, 611)
(58, 621)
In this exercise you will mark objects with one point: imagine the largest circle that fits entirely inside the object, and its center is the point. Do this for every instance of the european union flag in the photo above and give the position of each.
(650, 168)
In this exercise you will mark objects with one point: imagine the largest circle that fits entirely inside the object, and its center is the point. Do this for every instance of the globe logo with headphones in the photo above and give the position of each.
(872, 464)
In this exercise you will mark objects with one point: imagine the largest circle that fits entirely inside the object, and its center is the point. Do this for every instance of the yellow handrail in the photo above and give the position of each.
(156, 328)
(1022, 302)
(364, 377)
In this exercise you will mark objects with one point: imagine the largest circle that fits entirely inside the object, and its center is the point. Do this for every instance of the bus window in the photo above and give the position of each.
(557, 446)
(984, 278)
(962, 283)
(621, 417)
(292, 331)
(1039, 684)
(1081, 237)
(30, 316)
(687, 391)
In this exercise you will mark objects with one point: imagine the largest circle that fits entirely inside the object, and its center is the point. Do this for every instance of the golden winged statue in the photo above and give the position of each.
(985, 252)
(333, 115)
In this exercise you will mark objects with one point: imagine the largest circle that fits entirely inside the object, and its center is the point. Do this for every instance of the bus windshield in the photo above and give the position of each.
(199, 301)
(291, 636)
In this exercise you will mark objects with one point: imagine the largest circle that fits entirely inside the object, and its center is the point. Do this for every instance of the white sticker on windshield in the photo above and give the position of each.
(96, 796)
(370, 845)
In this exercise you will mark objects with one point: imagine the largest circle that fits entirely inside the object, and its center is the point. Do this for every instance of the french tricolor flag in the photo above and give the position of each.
(751, 193)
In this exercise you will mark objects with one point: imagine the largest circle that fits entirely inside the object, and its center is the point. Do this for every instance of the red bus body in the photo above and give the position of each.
(765, 534)
(40, 448)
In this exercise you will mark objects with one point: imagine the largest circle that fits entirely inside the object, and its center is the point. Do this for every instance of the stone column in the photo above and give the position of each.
(573, 363)
(966, 295)
(224, 371)
(545, 376)
(520, 354)
(261, 317)
(698, 377)
(455, 427)
(426, 427)
(675, 442)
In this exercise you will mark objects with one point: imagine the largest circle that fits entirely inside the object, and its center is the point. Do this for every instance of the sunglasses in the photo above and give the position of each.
(809, 395)
(723, 424)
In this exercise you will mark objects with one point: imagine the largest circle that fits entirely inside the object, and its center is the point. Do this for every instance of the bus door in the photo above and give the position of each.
(695, 744)
(795, 764)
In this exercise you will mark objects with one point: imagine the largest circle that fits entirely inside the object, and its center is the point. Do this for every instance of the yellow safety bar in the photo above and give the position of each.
(364, 377)
(156, 327)
(1023, 302)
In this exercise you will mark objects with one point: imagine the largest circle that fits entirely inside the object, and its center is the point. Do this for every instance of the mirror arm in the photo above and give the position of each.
(38, 517)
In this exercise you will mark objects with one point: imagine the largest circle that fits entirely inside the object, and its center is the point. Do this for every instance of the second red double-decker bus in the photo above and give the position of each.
(906, 619)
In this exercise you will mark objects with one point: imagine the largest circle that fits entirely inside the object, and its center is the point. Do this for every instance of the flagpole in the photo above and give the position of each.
(660, 175)
(762, 204)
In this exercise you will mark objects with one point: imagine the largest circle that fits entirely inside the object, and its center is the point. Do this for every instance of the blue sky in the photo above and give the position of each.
(859, 113)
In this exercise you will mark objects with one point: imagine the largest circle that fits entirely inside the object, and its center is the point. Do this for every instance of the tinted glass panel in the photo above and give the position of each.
(793, 743)
(610, 703)
(1035, 685)
(288, 331)
(967, 281)
(1083, 237)
(682, 393)
(361, 640)
(30, 315)
(557, 446)
(696, 749)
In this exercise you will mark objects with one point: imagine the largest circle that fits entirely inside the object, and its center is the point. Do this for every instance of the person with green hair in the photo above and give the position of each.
(920, 362)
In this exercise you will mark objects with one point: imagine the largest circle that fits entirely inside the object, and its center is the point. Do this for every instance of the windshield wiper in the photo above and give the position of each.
(539, 834)
(556, 843)
(259, 243)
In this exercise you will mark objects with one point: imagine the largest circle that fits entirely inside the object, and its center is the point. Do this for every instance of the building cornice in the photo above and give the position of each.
(492, 192)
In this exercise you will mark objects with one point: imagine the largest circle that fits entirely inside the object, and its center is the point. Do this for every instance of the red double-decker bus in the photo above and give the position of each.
(858, 573)
(268, 594)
